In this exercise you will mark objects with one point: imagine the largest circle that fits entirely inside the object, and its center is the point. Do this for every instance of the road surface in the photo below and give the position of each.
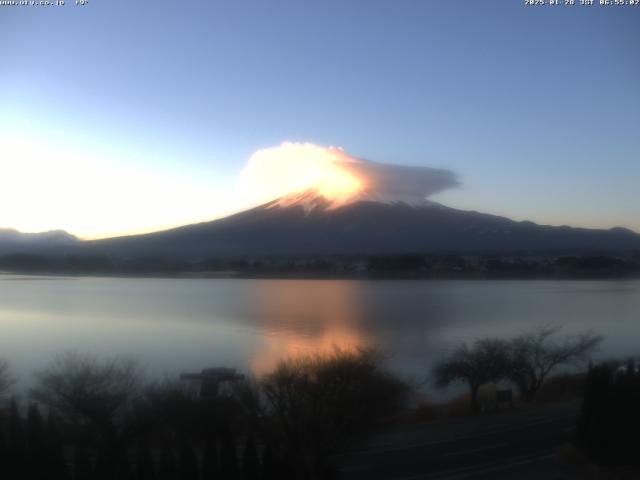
(493, 446)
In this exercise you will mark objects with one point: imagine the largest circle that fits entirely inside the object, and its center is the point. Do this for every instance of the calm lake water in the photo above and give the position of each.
(176, 325)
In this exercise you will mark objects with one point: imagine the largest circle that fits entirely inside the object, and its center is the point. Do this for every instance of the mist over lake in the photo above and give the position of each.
(176, 325)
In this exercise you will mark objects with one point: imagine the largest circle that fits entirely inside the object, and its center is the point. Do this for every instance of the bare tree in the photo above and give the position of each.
(90, 391)
(6, 379)
(319, 402)
(535, 354)
(485, 361)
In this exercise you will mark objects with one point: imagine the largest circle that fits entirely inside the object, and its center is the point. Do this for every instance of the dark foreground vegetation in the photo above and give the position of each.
(526, 361)
(522, 265)
(610, 416)
(92, 419)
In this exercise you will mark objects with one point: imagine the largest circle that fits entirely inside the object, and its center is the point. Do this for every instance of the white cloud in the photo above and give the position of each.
(293, 167)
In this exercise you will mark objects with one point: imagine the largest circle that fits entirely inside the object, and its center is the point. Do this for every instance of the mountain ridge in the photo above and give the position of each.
(307, 225)
(14, 241)
(314, 227)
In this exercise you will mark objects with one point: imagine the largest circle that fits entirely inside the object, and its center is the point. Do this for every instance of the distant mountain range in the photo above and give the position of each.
(307, 225)
(13, 241)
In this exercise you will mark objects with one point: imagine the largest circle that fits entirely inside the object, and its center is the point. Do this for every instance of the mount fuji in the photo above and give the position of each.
(309, 224)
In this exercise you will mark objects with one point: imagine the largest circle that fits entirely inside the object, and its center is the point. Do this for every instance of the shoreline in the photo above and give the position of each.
(238, 275)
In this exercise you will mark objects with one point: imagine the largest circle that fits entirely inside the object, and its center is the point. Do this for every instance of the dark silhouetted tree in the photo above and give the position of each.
(86, 389)
(485, 361)
(187, 462)
(4, 453)
(535, 354)
(176, 407)
(95, 393)
(124, 470)
(610, 415)
(145, 469)
(250, 460)
(6, 379)
(105, 464)
(57, 464)
(82, 468)
(270, 464)
(36, 445)
(167, 467)
(276, 466)
(320, 402)
(210, 462)
(228, 455)
(17, 451)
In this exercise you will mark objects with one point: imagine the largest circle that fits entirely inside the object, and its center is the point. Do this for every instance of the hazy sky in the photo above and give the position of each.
(125, 116)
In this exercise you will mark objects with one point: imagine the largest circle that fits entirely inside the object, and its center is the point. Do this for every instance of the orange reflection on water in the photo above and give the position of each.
(299, 322)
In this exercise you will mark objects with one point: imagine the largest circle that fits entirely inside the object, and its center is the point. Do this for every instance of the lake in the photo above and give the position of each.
(176, 325)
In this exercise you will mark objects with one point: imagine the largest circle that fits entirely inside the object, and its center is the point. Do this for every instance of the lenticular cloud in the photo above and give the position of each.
(295, 167)
(401, 182)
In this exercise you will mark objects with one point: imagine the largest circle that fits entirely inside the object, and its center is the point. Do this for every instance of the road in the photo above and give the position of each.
(493, 446)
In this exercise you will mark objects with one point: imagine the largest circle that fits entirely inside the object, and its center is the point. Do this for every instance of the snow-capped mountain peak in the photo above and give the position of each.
(313, 198)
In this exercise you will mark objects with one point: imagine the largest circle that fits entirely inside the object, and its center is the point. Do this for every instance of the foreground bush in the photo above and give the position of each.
(319, 403)
(105, 422)
(610, 416)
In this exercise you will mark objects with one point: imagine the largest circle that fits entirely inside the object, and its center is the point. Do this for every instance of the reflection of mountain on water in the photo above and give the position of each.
(177, 325)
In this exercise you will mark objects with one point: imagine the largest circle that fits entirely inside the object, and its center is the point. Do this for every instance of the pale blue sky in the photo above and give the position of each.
(536, 108)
